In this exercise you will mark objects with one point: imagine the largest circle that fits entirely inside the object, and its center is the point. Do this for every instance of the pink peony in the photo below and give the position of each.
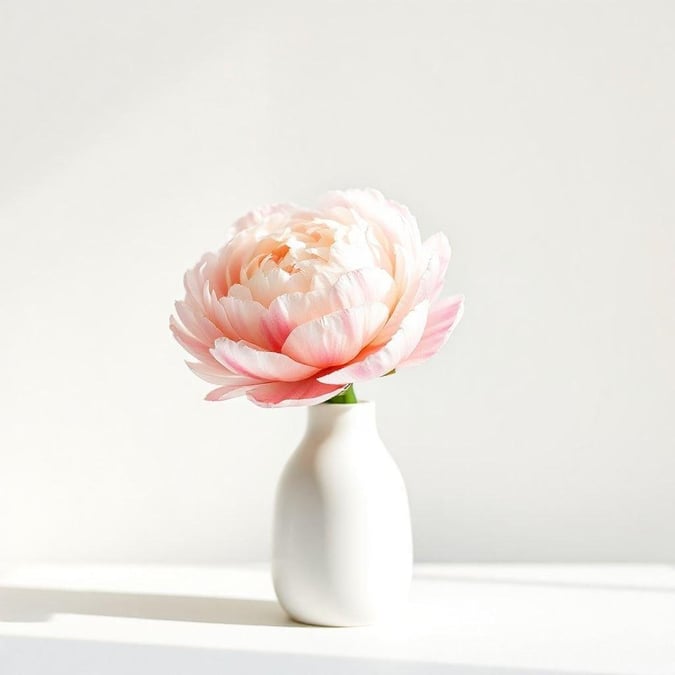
(300, 303)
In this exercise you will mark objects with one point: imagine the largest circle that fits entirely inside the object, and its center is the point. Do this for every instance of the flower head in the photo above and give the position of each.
(299, 303)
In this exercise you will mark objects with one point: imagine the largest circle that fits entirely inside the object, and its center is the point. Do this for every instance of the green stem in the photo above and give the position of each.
(348, 395)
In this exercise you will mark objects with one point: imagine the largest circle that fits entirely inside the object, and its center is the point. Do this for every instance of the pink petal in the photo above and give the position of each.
(291, 309)
(263, 215)
(265, 286)
(217, 373)
(195, 279)
(246, 318)
(282, 394)
(228, 391)
(352, 289)
(395, 220)
(197, 323)
(245, 360)
(385, 359)
(363, 286)
(188, 342)
(437, 250)
(406, 279)
(336, 338)
(417, 280)
(443, 318)
(239, 291)
(218, 316)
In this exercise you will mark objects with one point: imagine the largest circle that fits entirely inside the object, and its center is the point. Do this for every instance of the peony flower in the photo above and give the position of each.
(301, 303)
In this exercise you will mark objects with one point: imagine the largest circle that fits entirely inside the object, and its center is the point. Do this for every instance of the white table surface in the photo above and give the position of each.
(462, 619)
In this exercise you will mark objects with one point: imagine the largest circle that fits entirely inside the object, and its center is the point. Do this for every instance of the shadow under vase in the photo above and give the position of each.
(39, 604)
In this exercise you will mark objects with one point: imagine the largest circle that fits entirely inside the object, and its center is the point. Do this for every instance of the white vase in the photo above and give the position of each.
(342, 552)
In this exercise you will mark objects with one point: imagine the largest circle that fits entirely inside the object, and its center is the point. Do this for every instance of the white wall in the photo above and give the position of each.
(538, 135)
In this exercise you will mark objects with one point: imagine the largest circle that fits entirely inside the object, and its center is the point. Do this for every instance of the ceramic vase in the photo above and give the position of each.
(342, 545)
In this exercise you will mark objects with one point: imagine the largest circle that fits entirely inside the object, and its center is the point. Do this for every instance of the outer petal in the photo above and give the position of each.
(228, 391)
(382, 361)
(282, 394)
(190, 343)
(256, 363)
(406, 276)
(417, 279)
(443, 318)
(194, 279)
(437, 249)
(217, 373)
(336, 338)
(197, 323)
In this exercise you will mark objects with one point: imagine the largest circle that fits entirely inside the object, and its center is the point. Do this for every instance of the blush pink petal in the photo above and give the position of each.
(218, 316)
(196, 278)
(217, 373)
(291, 309)
(245, 360)
(352, 289)
(191, 345)
(406, 280)
(246, 318)
(336, 338)
(260, 217)
(437, 250)
(228, 391)
(196, 324)
(418, 280)
(266, 286)
(388, 357)
(363, 286)
(443, 318)
(300, 302)
(394, 219)
(283, 394)
(240, 292)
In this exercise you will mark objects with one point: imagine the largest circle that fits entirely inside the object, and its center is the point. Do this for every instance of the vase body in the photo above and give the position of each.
(342, 545)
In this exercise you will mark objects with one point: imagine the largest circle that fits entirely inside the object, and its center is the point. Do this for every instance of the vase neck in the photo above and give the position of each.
(327, 419)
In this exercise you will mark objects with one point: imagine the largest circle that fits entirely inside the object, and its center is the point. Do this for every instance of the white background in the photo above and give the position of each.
(538, 135)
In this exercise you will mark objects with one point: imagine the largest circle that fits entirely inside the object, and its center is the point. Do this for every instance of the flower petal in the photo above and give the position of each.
(246, 360)
(228, 391)
(417, 279)
(197, 324)
(336, 338)
(190, 343)
(246, 318)
(283, 394)
(380, 362)
(443, 318)
(359, 287)
(437, 249)
(265, 286)
(363, 286)
(265, 216)
(406, 283)
(239, 291)
(217, 373)
(393, 219)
